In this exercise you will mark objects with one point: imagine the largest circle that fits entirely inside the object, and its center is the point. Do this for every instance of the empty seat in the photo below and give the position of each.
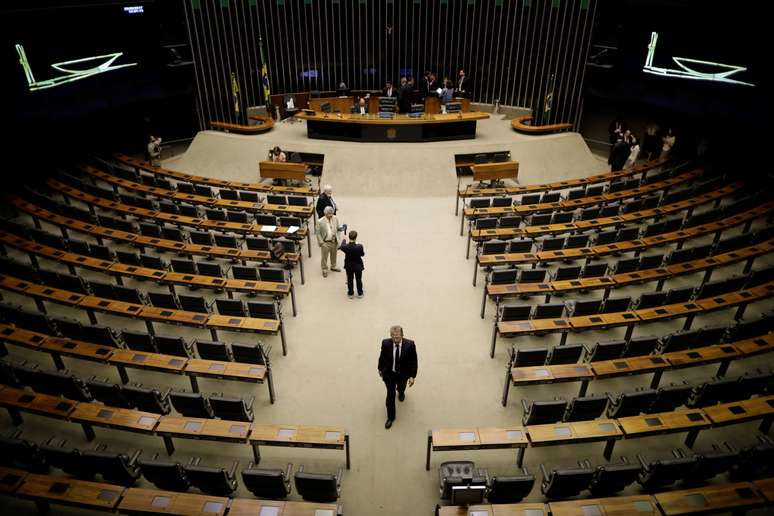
(669, 397)
(711, 464)
(582, 308)
(609, 479)
(528, 357)
(567, 354)
(576, 241)
(510, 488)
(542, 412)
(215, 214)
(552, 244)
(232, 408)
(194, 304)
(204, 191)
(230, 307)
(640, 346)
(201, 237)
(273, 484)
(487, 223)
(680, 340)
(108, 392)
(147, 400)
(652, 261)
(129, 295)
(504, 277)
(215, 481)
(651, 300)
(139, 341)
(170, 233)
(186, 266)
(567, 273)
(150, 230)
(477, 203)
(163, 300)
(152, 262)
(510, 221)
(595, 270)
(191, 404)
(603, 237)
(104, 335)
(128, 258)
(501, 202)
(248, 196)
(529, 199)
(260, 310)
(661, 473)
(244, 273)
(263, 219)
(679, 295)
(228, 194)
(616, 304)
(607, 350)
(118, 468)
(631, 403)
(494, 247)
(585, 408)
(213, 270)
(548, 311)
(539, 219)
(717, 390)
(170, 345)
(213, 350)
(22, 453)
(187, 188)
(166, 475)
(562, 217)
(65, 458)
(532, 276)
(627, 265)
(297, 200)
(521, 246)
(230, 241)
(251, 353)
(318, 487)
(564, 483)
(549, 197)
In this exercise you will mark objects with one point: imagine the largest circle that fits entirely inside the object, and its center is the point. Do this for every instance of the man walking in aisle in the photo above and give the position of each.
(397, 366)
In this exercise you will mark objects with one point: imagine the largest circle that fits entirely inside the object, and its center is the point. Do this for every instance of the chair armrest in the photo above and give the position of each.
(524, 405)
(543, 471)
(642, 460)
(249, 401)
(679, 453)
(300, 469)
(209, 304)
(288, 471)
(232, 470)
(224, 269)
(194, 461)
(135, 456)
(339, 474)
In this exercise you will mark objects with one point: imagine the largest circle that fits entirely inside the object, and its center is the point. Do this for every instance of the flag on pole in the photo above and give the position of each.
(548, 100)
(264, 75)
(235, 93)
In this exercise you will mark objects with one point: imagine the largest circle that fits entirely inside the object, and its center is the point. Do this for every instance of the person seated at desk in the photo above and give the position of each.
(276, 154)
(389, 90)
(361, 107)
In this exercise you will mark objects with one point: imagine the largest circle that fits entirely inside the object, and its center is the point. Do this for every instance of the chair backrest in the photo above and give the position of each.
(515, 312)
(152, 262)
(317, 487)
(276, 199)
(184, 266)
(227, 241)
(266, 483)
(244, 273)
(210, 269)
(170, 345)
(669, 397)
(228, 194)
(510, 221)
(231, 408)
(165, 475)
(251, 353)
(510, 489)
(544, 412)
(679, 295)
(15, 451)
(567, 354)
(185, 188)
(108, 392)
(627, 265)
(297, 200)
(147, 400)
(550, 197)
(128, 258)
(609, 479)
(563, 483)
(587, 307)
(62, 457)
(652, 261)
(532, 276)
(212, 350)
(561, 217)
(585, 408)
(487, 223)
(114, 467)
(603, 237)
(193, 304)
(576, 193)
(201, 237)
(163, 300)
(502, 202)
(480, 203)
(661, 473)
(168, 207)
(272, 274)
(548, 311)
(104, 335)
(616, 304)
(238, 216)
(170, 233)
(101, 289)
(680, 340)
(553, 244)
(595, 270)
(717, 390)
(214, 481)
(261, 310)
(257, 243)
(139, 341)
(66, 328)
(521, 246)
(248, 196)
(576, 241)
(651, 299)
(204, 190)
(128, 295)
(631, 403)
(529, 199)
(263, 219)
(503, 277)
(527, 357)
(607, 350)
(640, 346)
(494, 248)
(191, 404)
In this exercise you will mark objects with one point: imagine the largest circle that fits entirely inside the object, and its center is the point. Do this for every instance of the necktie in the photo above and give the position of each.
(397, 359)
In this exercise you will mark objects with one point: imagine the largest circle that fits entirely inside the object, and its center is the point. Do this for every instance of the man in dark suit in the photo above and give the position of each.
(464, 85)
(353, 264)
(397, 366)
(389, 90)
(404, 96)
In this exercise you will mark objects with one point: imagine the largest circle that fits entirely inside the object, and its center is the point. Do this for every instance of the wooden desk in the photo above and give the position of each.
(96, 414)
(46, 489)
(689, 420)
(746, 410)
(710, 499)
(152, 501)
(11, 479)
(265, 124)
(612, 506)
(484, 438)
(252, 507)
(576, 432)
(400, 128)
(205, 429)
(15, 400)
(766, 487)
(282, 170)
(495, 171)
(505, 509)
(139, 165)
(294, 436)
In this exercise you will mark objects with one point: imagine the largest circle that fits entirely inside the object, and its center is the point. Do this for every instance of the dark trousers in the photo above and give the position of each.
(393, 382)
(354, 275)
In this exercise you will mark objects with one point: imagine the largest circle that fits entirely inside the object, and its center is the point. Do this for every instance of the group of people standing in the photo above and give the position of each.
(625, 148)
(429, 86)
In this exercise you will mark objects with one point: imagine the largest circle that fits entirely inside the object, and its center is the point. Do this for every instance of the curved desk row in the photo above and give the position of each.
(523, 124)
(265, 123)
(400, 128)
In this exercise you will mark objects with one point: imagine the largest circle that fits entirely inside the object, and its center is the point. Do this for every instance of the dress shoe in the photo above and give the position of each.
(350, 296)
(325, 274)
(335, 269)
(388, 424)
(401, 396)
(361, 294)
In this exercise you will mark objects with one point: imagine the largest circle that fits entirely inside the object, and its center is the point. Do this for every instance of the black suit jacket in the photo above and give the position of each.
(408, 358)
(353, 256)
(467, 86)
(323, 201)
(394, 92)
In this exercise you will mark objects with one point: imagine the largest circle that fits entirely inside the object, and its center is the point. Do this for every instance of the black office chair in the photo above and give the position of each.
(528, 357)
(567, 354)
(215, 481)
(585, 408)
(640, 346)
(231, 307)
(191, 404)
(108, 392)
(454, 473)
(232, 408)
(252, 353)
(609, 479)
(118, 468)
(176, 346)
(607, 350)
(510, 488)
(194, 304)
(186, 266)
(23, 453)
(631, 403)
(213, 350)
(104, 335)
(564, 483)
(542, 412)
(318, 487)
(661, 473)
(139, 341)
(548, 311)
(273, 484)
(147, 400)
(166, 475)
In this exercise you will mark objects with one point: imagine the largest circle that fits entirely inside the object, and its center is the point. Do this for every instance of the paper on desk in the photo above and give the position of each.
(292, 229)
(268, 228)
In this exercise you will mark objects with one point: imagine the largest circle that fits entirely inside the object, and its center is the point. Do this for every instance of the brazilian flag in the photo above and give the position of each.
(235, 93)
(543, 112)
(264, 75)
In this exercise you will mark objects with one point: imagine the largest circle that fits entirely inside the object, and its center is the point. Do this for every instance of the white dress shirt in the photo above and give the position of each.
(395, 348)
